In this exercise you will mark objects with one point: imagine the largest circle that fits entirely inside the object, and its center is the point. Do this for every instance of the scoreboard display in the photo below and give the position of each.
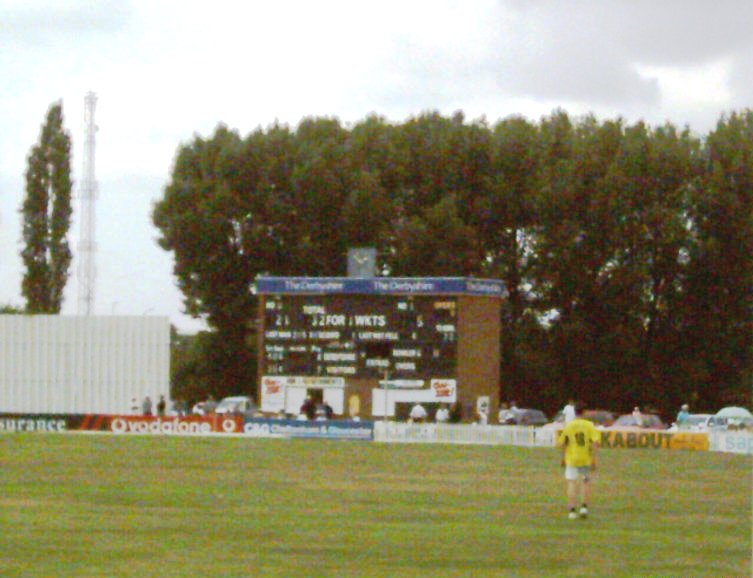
(397, 337)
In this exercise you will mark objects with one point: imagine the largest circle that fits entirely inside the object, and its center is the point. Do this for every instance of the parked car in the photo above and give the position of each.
(237, 404)
(650, 421)
(729, 423)
(600, 417)
(695, 422)
(523, 416)
(731, 418)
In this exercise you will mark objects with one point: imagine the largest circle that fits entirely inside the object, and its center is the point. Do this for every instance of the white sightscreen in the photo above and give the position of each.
(60, 364)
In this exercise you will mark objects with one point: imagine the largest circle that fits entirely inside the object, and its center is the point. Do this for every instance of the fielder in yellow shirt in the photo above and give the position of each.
(579, 441)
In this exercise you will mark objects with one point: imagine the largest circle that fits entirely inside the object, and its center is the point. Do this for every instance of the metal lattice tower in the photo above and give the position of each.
(87, 246)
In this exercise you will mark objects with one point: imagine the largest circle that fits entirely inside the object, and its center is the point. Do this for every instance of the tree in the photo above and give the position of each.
(322, 181)
(648, 194)
(214, 217)
(202, 365)
(626, 250)
(46, 215)
(507, 221)
(717, 343)
(436, 243)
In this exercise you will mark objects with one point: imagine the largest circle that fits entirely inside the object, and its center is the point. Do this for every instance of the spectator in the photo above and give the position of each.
(456, 412)
(146, 406)
(308, 409)
(417, 414)
(569, 411)
(682, 415)
(637, 416)
(180, 407)
(324, 411)
(209, 405)
(504, 413)
(161, 406)
(442, 415)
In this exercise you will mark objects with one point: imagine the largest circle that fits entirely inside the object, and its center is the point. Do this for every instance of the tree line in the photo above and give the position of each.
(626, 249)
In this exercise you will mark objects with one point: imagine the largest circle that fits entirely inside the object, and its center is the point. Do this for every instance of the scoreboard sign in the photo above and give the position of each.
(389, 342)
(381, 285)
(394, 337)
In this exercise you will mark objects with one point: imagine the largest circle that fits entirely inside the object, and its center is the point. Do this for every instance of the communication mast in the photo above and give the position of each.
(87, 271)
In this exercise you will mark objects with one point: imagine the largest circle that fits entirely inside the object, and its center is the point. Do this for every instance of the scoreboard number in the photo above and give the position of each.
(361, 336)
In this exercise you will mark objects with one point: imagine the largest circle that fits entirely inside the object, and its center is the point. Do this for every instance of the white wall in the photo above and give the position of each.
(60, 364)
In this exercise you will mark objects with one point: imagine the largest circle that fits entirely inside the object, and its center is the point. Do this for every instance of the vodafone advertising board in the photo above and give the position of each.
(191, 425)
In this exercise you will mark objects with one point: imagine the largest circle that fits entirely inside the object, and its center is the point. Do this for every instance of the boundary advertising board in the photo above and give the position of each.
(654, 439)
(736, 442)
(121, 424)
(288, 428)
(740, 442)
(188, 425)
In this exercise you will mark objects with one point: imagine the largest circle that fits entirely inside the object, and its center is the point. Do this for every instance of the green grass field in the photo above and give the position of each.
(108, 506)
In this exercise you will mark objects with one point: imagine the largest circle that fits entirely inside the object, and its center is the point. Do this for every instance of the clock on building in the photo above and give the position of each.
(362, 262)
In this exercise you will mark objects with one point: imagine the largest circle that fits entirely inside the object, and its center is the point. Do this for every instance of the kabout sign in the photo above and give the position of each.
(654, 440)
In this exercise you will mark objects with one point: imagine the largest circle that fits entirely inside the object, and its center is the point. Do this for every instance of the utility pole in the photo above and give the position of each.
(87, 271)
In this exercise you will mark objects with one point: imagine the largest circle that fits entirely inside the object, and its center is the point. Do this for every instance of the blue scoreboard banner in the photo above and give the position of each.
(381, 285)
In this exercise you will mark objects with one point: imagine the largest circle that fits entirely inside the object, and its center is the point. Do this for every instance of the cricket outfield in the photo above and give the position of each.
(160, 506)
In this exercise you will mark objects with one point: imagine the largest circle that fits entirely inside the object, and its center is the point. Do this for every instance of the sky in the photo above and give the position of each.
(166, 71)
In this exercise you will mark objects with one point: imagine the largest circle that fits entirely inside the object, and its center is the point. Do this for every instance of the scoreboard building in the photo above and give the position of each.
(372, 347)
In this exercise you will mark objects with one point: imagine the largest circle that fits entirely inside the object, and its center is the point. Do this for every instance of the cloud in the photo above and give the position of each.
(681, 32)
(46, 23)
(588, 51)
(741, 80)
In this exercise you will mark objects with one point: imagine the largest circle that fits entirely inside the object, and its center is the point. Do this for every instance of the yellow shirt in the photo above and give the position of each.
(578, 437)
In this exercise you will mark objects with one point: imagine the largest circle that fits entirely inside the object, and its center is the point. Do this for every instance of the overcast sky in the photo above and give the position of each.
(164, 71)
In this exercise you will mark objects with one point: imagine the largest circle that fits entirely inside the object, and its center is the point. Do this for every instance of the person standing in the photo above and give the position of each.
(481, 417)
(209, 405)
(146, 406)
(637, 416)
(308, 409)
(456, 412)
(578, 441)
(161, 406)
(682, 416)
(503, 413)
(442, 415)
(568, 411)
(417, 414)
